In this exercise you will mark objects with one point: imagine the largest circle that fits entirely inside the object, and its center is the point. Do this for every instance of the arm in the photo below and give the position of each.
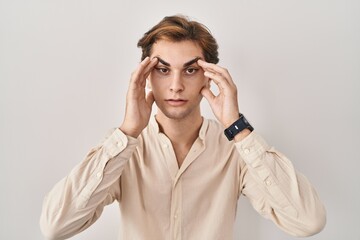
(268, 178)
(276, 190)
(78, 200)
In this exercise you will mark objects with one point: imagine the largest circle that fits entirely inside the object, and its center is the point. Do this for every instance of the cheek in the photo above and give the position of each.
(156, 87)
(204, 82)
(195, 84)
(152, 81)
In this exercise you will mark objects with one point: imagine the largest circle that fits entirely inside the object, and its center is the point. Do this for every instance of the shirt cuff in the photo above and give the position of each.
(251, 148)
(117, 142)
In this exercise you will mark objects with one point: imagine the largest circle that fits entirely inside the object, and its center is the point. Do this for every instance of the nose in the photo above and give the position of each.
(176, 83)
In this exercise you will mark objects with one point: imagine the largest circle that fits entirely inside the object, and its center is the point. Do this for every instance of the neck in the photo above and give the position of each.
(182, 131)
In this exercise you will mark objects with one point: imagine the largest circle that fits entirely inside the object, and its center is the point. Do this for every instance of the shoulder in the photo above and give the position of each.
(215, 134)
(214, 127)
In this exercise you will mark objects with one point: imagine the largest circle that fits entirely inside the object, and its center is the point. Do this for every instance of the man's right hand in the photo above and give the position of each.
(138, 103)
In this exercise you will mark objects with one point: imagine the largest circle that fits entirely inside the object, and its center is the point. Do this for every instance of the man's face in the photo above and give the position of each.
(177, 79)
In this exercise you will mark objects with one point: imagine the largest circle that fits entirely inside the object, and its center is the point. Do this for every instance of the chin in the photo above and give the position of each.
(176, 115)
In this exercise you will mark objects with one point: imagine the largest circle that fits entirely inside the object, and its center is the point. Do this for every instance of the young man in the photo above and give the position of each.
(177, 175)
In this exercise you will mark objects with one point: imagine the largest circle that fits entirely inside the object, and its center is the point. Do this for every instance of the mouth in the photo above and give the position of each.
(176, 102)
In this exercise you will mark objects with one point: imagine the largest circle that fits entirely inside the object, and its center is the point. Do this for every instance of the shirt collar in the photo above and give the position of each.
(202, 133)
(154, 124)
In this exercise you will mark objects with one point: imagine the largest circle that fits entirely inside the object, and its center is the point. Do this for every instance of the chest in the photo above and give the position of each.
(180, 154)
(166, 164)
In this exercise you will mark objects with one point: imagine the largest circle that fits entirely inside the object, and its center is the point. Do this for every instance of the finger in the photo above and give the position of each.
(138, 77)
(139, 70)
(206, 92)
(218, 79)
(143, 64)
(150, 67)
(210, 67)
(150, 98)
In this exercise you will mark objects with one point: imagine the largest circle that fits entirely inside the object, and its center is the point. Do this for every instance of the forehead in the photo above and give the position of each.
(176, 52)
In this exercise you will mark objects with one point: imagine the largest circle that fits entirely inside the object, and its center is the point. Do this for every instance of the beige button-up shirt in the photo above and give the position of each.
(160, 201)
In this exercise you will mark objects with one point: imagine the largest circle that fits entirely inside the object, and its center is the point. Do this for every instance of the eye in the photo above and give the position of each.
(191, 71)
(162, 70)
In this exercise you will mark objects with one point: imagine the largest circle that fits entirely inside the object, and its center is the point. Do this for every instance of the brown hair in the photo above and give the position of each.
(179, 28)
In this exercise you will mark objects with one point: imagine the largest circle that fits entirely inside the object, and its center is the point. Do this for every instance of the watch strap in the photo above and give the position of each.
(237, 127)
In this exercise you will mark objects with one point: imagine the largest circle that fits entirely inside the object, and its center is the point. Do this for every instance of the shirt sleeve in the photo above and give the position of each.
(77, 200)
(276, 190)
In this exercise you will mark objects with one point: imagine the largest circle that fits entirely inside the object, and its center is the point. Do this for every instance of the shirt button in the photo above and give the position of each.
(98, 175)
(175, 216)
(120, 144)
(246, 151)
(268, 182)
(165, 146)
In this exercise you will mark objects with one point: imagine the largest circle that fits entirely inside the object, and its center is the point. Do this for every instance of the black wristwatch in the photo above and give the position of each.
(237, 127)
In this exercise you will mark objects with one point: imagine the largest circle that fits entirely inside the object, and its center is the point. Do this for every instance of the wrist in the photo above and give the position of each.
(132, 132)
(241, 135)
(239, 129)
(230, 120)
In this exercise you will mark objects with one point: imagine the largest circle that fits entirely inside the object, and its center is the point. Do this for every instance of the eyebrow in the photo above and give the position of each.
(192, 61)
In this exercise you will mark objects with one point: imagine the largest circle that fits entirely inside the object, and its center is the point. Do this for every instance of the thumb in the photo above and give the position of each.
(206, 92)
(150, 98)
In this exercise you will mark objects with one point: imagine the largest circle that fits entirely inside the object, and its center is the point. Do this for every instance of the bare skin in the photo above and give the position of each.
(179, 78)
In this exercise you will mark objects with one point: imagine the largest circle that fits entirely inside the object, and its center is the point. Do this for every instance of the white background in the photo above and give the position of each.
(64, 72)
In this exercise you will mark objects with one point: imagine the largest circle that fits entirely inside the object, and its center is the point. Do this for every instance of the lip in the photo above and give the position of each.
(176, 102)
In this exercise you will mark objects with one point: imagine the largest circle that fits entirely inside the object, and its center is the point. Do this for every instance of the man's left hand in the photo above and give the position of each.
(225, 104)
